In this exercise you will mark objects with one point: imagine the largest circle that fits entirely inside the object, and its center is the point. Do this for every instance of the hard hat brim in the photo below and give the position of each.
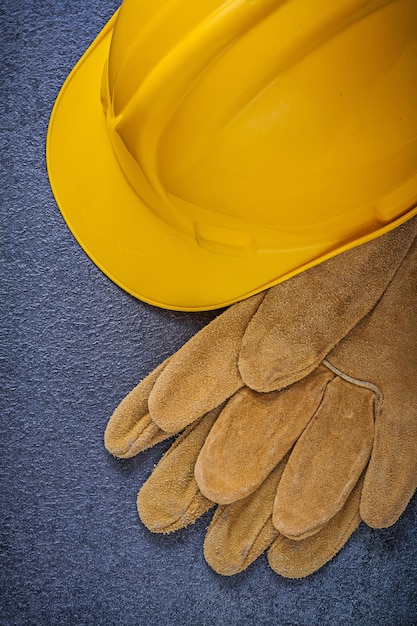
(134, 247)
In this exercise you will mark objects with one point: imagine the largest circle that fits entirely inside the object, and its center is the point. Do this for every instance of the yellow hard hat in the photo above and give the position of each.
(203, 151)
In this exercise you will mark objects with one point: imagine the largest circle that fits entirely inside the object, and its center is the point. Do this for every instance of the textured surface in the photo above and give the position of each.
(73, 549)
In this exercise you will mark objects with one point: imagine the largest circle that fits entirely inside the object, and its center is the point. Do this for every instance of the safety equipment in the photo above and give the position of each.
(202, 152)
(237, 436)
(239, 532)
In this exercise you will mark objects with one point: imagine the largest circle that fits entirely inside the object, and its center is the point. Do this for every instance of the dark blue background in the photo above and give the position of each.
(73, 549)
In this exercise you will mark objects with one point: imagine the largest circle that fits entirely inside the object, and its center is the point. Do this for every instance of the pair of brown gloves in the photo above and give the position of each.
(298, 408)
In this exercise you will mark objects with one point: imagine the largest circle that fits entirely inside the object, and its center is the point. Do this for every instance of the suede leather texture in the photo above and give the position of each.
(230, 459)
(73, 550)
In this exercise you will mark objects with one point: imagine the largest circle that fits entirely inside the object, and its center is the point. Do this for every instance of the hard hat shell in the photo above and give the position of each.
(201, 152)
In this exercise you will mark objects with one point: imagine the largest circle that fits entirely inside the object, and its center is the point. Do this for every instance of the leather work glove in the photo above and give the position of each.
(241, 531)
(132, 428)
(368, 411)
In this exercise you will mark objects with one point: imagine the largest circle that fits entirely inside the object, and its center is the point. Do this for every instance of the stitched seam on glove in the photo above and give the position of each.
(356, 381)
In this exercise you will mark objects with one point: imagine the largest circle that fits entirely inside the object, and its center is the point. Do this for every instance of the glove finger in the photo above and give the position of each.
(170, 498)
(242, 531)
(297, 559)
(253, 433)
(391, 479)
(204, 372)
(130, 428)
(327, 460)
(302, 319)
